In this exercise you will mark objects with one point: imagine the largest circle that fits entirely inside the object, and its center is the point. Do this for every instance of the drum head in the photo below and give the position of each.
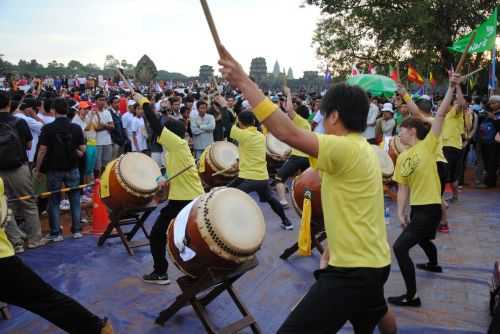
(237, 220)
(139, 172)
(224, 154)
(277, 147)
(386, 163)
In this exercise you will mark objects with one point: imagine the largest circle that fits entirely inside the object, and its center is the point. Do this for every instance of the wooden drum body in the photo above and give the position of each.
(310, 180)
(220, 156)
(224, 228)
(132, 181)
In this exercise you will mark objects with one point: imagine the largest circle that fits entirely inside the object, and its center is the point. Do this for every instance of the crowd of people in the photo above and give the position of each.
(57, 133)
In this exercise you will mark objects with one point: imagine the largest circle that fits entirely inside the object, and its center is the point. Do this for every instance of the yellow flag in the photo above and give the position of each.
(304, 241)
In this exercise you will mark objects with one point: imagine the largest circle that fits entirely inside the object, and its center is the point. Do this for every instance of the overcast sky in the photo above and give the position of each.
(173, 33)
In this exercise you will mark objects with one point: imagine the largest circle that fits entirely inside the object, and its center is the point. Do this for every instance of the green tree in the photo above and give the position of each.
(75, 66)
(382, 32)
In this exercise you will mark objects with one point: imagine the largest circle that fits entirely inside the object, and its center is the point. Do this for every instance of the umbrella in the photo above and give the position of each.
(377, 85)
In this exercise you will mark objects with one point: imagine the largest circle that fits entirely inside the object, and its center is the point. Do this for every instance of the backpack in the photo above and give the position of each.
(487, 131)
(11, 148)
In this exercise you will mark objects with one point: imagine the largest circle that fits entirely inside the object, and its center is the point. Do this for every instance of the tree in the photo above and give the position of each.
(206, 73)
(276, 70)
(382, 32)
(289, 74)
(258, 69)
(75, 66)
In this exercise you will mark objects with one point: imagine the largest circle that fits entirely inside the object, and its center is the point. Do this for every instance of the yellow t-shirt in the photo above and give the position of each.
(6, 248)
(301, 123)
(252, 147)
(352, 197)
(416, 168)
(440, 154)
(453, 128)
(186, 186)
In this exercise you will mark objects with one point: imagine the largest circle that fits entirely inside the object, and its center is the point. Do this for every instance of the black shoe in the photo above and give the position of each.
(155, 278)
(287, 225)
(404, 301)
(434, 268)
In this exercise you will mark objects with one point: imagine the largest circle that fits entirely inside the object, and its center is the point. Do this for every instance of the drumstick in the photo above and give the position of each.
(211, 25)
(473, 72)
(179, 173)
(125, 80)
(226, 170)
(464, 54)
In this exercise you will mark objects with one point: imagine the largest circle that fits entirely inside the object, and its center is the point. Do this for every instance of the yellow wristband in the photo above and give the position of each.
(264, 109)
(407, 98)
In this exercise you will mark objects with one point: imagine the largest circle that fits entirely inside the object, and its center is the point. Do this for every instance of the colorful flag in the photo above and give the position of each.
(484, 40)
(414, 76)
(431, 79)
(393, 73)
(354, 70)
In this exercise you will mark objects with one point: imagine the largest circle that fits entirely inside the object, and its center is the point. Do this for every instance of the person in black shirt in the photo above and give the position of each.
(15, 172)
(61, 147)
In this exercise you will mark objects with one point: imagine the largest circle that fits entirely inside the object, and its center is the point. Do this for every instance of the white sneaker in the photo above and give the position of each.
(54, 238)
(284, 204)
(64, 205)
(77, 235)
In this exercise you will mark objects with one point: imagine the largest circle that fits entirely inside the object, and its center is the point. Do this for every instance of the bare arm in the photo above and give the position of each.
(278, 123)
(289, 104)
(412, 107)
(403, 192)
(444, 108)
(42, 151)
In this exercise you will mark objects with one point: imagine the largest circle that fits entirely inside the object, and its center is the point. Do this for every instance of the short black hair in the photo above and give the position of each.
(60, 106)
(4, 99)
(176, 127)
(303, 111)
(47, 105)
(246, 118)
(351, 103)
(418, 124)
(424, 105)
(200, 103)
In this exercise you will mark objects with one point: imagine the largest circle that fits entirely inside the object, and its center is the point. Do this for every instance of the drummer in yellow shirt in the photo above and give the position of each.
(298, 161)
(416, 174)
(350, 284)
(253, 176)
(183, 189)
(21, 286)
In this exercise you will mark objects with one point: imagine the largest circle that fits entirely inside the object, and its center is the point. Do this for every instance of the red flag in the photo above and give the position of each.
(393, 73)
(414, 76)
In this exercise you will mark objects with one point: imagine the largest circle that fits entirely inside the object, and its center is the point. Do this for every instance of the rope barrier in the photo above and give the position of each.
(48, 193)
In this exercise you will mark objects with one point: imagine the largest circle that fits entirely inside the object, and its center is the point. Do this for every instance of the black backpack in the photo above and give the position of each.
(11, 148)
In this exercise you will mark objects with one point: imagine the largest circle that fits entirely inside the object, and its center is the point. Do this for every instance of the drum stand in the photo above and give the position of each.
(4, 311)
(217, 280)
(123, 217)
(318, 234)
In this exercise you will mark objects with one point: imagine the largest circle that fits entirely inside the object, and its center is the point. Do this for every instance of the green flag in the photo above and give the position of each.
(485, 38)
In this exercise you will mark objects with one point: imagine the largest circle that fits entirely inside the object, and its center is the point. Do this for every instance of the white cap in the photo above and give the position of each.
(388, 107)
(131, 102)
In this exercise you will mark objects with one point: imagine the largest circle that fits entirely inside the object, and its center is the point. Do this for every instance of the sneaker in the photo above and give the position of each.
(54, 238)
(444, 229)
(84, 221)
(19, 249)
(36, 244)
(155, 278)
(404, 301)
(286, 225)
(77, 235)
(453, 199)
(284, 204)
(64, 205)
(433, 268)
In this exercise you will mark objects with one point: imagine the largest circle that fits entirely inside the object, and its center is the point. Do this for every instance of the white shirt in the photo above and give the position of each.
(103, 137)
(127, 120)
(35, 128)
(138, 128)
(318, 119)
(369, 133)
(78, 121)
(46, 118)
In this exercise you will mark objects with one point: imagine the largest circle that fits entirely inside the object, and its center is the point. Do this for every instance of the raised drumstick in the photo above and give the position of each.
(125, 80)
(464, 54)
(211, 25)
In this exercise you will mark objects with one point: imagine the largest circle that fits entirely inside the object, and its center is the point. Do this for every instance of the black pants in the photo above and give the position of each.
(340, 295)
(158, 236)
(21, 286)
(442, 168)
(424, 220)
(452, 155)
(491, 153)
(292, 166)
(261, 187)
(462, 164)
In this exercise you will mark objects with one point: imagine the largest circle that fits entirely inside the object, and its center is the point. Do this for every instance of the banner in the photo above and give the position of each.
(485, 38)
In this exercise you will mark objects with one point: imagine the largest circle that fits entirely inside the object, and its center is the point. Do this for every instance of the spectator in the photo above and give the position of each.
(202, 127)
(26, 112)
(369, 133)
(386, 124)
(139, 134)
(14, 170)
(118, 135)
(104, 145)
(490, 149)
(62, 144)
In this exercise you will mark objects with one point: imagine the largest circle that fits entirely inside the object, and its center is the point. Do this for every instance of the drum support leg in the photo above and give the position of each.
(119, 218)
(4, 311)
(218, 281)
(317, 236)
